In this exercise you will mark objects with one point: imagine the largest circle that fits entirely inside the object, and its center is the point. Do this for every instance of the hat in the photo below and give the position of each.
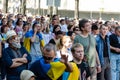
(10, 33)
(26, 75)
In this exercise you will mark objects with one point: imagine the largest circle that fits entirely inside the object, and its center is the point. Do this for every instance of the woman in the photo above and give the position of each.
(3, 36)
(10, 24)
(56, 39)
(65, 43)
(19, 27)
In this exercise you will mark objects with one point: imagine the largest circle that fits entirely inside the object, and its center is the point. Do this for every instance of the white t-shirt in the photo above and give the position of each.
(64, 28)
(70, 57)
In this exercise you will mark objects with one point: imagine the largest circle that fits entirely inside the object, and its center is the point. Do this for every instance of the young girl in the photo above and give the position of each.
(65, 43)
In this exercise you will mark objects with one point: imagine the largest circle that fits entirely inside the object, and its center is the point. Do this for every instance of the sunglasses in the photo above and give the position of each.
(77, 30)
(14, 37)
(47, 58)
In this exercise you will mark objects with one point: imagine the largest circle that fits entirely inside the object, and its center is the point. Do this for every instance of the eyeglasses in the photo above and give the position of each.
(47, 58)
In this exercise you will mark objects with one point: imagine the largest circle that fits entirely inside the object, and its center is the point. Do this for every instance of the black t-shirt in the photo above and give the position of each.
(52, 41)
(105, 47)
(84, 70)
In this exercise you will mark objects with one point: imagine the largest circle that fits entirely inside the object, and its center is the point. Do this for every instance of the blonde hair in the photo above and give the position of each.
(76, 45)
(63, 40)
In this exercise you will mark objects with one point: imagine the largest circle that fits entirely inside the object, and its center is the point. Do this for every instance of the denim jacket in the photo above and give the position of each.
(100, 47)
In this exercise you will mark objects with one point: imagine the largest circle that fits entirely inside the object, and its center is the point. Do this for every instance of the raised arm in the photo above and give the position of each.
(64, 59)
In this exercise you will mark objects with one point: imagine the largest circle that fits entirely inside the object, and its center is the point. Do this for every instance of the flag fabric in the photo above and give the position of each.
(27, 43)
(56, 69)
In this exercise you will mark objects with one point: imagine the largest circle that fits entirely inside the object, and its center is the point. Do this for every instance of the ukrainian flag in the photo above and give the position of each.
(27, 43)
(56, 69)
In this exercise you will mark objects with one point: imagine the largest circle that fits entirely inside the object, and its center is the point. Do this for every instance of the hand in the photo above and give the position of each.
(35, 30)
(64, 58)
(117, 49)
(25, 55)
(14, 60)
(98, 69)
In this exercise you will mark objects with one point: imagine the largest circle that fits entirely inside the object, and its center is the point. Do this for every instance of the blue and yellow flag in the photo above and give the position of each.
(56, 69)
(27, 43)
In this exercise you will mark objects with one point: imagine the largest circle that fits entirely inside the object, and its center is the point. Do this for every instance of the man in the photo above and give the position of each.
(63, 26)
(115, 54)
(78, 55)
(89, 44)
(103, 49)
(95, 30)
(50, 68)
(15, 57)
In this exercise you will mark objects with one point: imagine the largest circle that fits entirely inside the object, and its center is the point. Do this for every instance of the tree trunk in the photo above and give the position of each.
(76, 14)
(23, 7)
(5, 6)
(35, 7)
(39, 7)
(55, 10)
(50, 11)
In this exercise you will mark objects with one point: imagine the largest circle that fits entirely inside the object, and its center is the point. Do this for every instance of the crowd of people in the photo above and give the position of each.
(44, 48)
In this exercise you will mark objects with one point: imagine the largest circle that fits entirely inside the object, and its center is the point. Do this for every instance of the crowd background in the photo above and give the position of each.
(99, 43)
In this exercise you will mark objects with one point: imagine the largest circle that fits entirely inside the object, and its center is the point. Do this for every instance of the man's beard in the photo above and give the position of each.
(16, 45)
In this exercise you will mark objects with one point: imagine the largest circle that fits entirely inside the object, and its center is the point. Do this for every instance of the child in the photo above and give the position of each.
(27, 75)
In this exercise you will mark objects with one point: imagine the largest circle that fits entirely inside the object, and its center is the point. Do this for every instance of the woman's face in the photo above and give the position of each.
(73, 36)
(20, 21)
(57, 29)
(4, 21)
(10, 23)
(38, 27)
(5, 29)
(67, 43)
(26, 28)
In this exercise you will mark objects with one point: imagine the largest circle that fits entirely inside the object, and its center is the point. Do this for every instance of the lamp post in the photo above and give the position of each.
(100, 12)
(91, 14)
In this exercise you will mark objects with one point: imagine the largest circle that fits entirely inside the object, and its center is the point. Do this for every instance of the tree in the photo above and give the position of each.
(76, 13)
(55, 10)
(39, 7)
(50, 11)
(5, 6)
(23, 7)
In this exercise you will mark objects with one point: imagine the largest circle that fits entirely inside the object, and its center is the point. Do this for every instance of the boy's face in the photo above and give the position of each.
(104, 30)
(32, 78)
(87, 27)
(79, 53)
